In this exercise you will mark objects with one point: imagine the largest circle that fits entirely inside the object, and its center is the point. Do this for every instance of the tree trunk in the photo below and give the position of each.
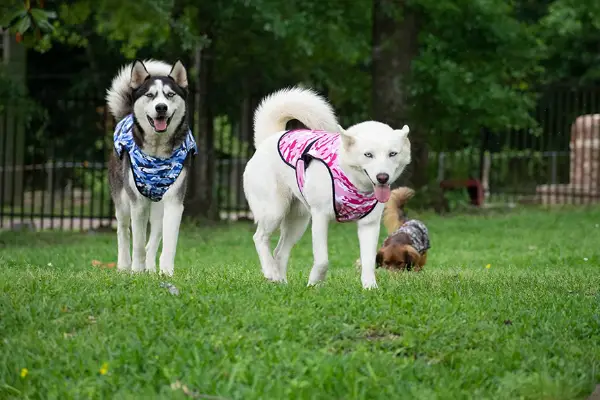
(395, 45)
(200, 200)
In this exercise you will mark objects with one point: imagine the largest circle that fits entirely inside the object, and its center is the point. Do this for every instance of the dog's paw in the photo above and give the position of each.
(151, 268)
(124, 264)
(314, 281)
(271, 273)
(316, 278)
(369, 284)
(275, 277)
(138, 268)
(123, 267)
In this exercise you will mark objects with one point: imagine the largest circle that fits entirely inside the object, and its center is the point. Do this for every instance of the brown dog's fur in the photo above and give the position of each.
(397, 252)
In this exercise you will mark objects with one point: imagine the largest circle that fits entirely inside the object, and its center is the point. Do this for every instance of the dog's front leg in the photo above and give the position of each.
(140, 210)
(123, 214)
(368, 235)
(156, 222)
(171, 222)
(320, 224)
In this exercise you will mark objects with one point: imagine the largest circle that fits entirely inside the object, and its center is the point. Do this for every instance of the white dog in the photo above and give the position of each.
(321, 173)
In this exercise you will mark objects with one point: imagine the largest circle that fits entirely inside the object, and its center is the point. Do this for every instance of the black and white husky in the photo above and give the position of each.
(153, 146)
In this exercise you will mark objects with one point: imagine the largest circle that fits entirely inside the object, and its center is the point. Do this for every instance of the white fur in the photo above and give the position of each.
(275, 111)
(117, 96)
(165, 218)
(272, 192)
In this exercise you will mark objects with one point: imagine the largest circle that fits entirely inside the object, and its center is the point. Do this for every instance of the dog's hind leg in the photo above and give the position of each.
(123, 214)
(269, 202)
(271, 214)
(292, 227)
(156, 227)
(265, 228)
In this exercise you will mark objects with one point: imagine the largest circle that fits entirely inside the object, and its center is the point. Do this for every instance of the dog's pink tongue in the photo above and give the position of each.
(382, 193)
(160, 124)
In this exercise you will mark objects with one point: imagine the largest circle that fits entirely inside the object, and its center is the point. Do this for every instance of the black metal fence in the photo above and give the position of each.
(53, 175)
(556, 161)
(52, 164)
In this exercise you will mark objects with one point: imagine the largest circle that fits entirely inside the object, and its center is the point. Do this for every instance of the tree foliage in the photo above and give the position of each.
(571, 30)
(476, 67)
(23, 17)
(479, 63)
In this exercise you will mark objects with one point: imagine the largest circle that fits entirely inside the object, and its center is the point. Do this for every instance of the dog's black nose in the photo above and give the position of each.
(382, 178)
(161, 108)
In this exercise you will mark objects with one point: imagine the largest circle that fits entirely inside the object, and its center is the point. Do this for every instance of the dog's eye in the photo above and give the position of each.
(393, 153)
(369, 155)
(149, 95)
(169, 95)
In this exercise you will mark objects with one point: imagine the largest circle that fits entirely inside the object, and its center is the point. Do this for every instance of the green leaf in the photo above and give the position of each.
(23, 25)
(13, 19)
(45, 26)
(42, 15)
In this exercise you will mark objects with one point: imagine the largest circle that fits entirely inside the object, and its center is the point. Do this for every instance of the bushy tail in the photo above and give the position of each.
(305, 105)
(393, 212)
(118, 96)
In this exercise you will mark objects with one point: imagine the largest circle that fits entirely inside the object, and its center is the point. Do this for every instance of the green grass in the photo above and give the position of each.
(527, 327)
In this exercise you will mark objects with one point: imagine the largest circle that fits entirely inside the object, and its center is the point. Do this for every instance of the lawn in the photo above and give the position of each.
(507, 307)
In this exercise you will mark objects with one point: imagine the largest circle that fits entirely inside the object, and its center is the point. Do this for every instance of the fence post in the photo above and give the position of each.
(441, 165)
(553, 167)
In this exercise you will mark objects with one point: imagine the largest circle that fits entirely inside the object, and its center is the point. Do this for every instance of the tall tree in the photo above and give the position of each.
(395, 45)
(451, 68)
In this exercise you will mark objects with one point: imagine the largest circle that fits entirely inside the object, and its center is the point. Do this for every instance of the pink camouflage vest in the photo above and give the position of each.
(297, 148)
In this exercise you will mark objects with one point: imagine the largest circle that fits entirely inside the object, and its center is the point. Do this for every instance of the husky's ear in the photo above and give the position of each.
(139, 74)
(179, 74)
(404, 131)
(347, 140)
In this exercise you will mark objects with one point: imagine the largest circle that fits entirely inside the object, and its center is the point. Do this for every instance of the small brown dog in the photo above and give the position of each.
(405, 248)
(407, 243)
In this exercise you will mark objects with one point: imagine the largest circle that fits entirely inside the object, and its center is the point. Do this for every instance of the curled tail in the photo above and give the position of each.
(282, 106)
(393, 212)
(118, 96)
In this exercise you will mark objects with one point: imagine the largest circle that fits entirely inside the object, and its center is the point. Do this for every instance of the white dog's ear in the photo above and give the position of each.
(179, 74)
(139, 74)
(404, 131)
(347, 140)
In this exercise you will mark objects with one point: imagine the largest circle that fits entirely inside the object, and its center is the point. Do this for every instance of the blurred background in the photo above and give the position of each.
(502, 97)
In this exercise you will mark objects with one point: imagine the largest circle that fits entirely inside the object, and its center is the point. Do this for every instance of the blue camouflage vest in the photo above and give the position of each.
(153, 176)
